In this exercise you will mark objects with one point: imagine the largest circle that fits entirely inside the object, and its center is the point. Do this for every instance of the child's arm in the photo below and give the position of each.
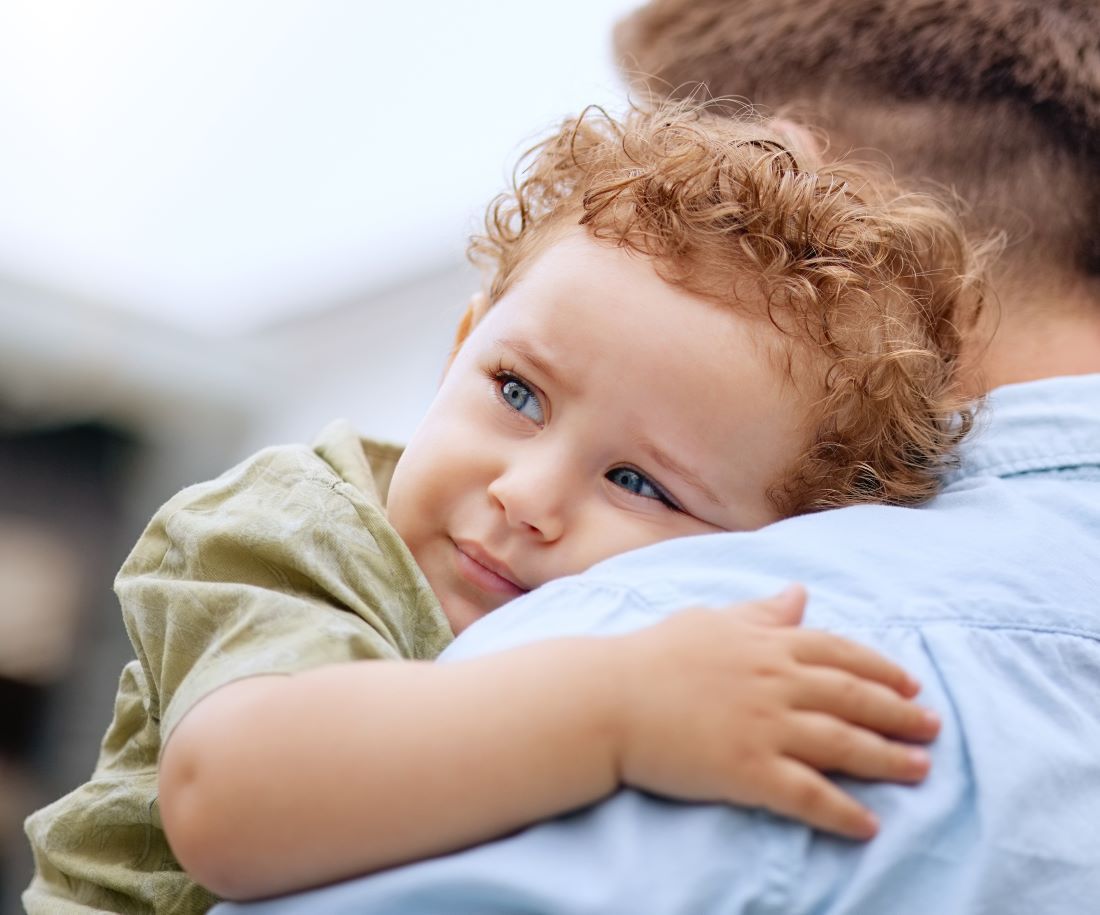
(276, 783)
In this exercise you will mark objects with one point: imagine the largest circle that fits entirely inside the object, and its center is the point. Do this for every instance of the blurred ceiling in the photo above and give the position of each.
(220, 165)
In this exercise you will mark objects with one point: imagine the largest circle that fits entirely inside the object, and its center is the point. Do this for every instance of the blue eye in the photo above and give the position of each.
(634, 482)
(521, 399)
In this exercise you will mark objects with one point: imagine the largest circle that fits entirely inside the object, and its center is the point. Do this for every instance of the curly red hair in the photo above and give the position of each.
(867, 287)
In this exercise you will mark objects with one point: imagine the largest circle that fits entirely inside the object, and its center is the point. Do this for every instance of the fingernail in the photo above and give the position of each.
(931, 718)
(913, 683)
(870, 824)
(919, 758)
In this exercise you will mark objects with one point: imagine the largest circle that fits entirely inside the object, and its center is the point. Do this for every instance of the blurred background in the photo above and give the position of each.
(223, 223)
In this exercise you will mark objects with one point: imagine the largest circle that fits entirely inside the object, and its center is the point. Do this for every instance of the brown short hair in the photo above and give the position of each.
(867, 287)
(998, 99)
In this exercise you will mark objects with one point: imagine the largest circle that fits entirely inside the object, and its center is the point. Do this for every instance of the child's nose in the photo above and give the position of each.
(531, 499)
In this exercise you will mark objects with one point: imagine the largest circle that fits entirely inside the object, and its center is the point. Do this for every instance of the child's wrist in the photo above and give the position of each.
(625, 690)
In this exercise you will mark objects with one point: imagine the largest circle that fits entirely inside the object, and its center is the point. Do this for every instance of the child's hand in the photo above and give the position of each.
(738, 705)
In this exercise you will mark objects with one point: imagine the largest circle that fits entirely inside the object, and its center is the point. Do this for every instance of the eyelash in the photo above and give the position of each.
(662, 497)
(500, 371)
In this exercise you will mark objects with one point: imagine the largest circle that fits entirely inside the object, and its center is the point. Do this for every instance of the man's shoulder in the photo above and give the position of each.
(987, 597)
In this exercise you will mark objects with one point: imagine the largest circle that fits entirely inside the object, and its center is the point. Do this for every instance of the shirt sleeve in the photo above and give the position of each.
(277, 566)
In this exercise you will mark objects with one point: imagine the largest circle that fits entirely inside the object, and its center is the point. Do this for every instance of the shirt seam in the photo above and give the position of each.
(1039, 463)
(1009, 626)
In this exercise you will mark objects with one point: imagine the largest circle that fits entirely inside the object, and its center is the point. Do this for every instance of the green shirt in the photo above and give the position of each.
(284, 563)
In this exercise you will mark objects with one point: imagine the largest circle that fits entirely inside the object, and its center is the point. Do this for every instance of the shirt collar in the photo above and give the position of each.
(1050, 424)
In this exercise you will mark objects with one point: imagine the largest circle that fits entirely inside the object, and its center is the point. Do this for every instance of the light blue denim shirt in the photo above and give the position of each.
(990, 595)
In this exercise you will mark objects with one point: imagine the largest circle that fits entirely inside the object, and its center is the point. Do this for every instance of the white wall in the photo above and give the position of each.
(214, 399)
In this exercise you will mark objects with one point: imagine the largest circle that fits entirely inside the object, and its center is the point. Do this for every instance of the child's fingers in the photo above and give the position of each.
(831, 745)
(782, 609)
(799, 792)
(863, 702)
(825, 649)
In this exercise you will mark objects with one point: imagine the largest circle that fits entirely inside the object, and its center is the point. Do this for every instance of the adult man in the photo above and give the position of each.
(988, 595)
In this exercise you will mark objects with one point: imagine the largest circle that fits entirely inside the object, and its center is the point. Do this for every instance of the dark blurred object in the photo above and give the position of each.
(21, 708)
(61, 475)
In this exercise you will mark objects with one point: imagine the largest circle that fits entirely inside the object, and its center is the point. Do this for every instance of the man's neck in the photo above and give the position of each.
(1041, 334)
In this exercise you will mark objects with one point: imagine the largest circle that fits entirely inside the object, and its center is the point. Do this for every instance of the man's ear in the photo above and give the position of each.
(807, 144)
(473, 314)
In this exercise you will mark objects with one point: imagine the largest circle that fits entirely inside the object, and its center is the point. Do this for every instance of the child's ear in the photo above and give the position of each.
(473, 314)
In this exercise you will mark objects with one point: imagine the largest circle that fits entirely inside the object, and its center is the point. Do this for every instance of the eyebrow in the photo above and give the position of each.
(673, 466)
(531, 355)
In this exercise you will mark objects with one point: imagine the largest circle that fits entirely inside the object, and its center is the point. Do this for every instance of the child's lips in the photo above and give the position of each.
(477, 566)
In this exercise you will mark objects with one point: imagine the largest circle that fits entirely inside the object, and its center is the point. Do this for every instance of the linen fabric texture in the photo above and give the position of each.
(284, 563)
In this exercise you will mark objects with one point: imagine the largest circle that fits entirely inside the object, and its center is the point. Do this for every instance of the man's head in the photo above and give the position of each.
(998, 99)
(689, 326)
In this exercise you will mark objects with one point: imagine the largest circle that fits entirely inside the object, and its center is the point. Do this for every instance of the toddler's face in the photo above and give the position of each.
(595, 409)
